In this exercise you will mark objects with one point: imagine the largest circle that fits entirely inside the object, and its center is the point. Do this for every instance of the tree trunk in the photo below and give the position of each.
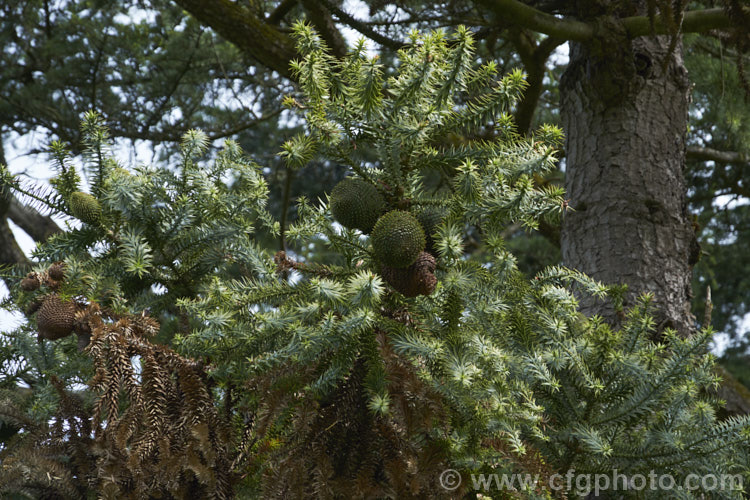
(625, 116)
(10, 252)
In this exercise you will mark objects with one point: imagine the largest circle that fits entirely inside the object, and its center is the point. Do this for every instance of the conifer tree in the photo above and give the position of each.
(215, 368)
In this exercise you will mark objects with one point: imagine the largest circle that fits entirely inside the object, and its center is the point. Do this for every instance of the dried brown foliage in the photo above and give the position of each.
(159, 429)
(152, 432)
(339, 447)
(533, 464)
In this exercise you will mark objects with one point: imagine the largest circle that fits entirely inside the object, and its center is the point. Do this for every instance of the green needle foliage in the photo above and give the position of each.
(289, 376)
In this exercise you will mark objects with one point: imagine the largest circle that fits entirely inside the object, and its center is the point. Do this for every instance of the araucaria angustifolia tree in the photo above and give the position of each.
(216, 369)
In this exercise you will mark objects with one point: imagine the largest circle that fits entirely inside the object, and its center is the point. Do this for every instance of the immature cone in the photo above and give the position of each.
(356, 204)
(30, 283)
(397, 239)
(85, 207)
(56, 271)
(417, 279)
(55, 318)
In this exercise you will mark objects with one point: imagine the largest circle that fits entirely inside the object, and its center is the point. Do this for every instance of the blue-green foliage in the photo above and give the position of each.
(511, 358)
(165, 229)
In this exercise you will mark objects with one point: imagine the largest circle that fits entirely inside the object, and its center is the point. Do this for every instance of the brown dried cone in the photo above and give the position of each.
(56, 271)
(417, 279)
(56, 317)
(30, 283)
(52, 284)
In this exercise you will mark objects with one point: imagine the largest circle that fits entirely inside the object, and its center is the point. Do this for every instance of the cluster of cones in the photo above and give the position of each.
(56, 317)
(402, 241)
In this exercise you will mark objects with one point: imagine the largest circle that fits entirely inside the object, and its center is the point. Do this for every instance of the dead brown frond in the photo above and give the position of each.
(152, 431)
(154, 417)
(338, 447)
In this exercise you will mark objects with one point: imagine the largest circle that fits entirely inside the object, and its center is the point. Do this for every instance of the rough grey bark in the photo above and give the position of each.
(625, 116)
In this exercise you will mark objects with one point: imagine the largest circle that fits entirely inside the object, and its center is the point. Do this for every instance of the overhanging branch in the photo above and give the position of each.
(521, 14)
(281, 10)
(363, 28)
(696, 21)
(263, 42)
(710, 154)
(320, 16)
(515, 12)
(534, 58)
(38, 226)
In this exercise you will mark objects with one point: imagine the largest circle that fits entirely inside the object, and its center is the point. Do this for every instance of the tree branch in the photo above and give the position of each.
(733, 392)
(36, 225)
(710, 154)
(362, 27)
(320, 16)
(158, 112)
(177, 136)
(282, 10)
(264, 43)
(534, 58)
(696, 21)
(285, 196)
(725, 52)
(10, 251)
(528, 17)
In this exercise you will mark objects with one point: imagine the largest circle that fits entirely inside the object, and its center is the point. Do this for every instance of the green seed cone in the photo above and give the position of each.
(85, 207)
(356, 204)
(397, 239)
